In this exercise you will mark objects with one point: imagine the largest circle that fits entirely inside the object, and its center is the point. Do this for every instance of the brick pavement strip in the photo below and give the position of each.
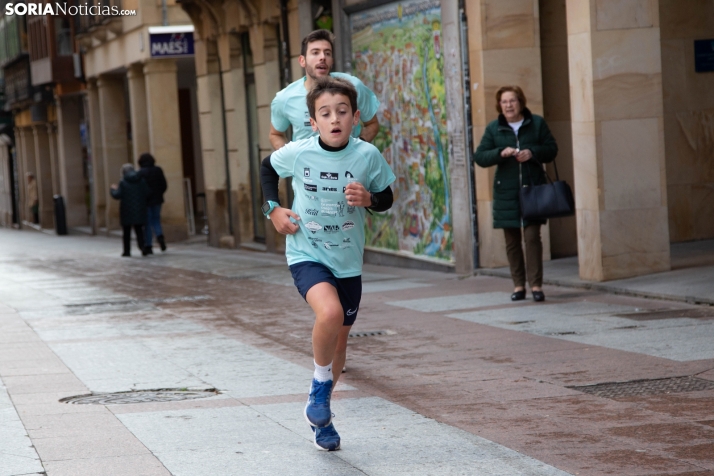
(464, 382)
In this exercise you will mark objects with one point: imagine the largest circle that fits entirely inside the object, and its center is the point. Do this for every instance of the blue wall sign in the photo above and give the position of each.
(703, 56)
(175, 44)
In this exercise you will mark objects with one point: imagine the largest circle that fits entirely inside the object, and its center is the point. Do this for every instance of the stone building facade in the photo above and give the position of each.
(623, 84)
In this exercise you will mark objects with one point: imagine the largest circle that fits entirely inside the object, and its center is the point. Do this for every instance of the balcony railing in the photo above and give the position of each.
(100, 13)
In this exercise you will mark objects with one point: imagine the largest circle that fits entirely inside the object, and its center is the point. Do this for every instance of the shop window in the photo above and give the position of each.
(63, 36)
(322, 14)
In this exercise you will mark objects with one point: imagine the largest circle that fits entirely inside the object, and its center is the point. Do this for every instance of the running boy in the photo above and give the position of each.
(335, 177)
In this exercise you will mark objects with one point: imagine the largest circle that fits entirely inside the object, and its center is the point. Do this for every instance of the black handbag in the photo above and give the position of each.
(549, 200)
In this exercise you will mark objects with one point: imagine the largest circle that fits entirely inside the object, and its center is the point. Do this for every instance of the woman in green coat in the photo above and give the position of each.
(511, 143)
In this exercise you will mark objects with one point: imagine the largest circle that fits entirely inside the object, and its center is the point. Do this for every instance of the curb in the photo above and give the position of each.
(606, 288)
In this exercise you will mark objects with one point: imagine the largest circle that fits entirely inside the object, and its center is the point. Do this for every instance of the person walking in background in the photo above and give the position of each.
(33, 202)
(133, 193)
(510, 143)
(154, 177)
(289, 107)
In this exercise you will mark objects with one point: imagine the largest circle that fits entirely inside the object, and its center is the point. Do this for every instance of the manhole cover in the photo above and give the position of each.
(646, 387)
(705, 313)
(370, 333)
(139, 396)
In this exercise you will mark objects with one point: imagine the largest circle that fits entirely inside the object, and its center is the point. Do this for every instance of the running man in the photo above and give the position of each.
(290, 108)
(334, 178)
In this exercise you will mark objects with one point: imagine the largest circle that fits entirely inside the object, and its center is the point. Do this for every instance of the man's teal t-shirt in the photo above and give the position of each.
(331, 232)
(289, 107)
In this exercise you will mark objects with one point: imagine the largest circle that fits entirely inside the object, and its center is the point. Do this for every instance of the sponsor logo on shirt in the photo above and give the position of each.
(350, 209)
(314, 241)
(310, 188)
(329, 175)
(347, 240)
(311, 197)
(351, 312)
(311, 211)
(348, 174)
(313, 226)
(306, 172)
(327, 189)
(306, 122)
(330, 228)
(329, 245)
(341, 208)
(348, 225)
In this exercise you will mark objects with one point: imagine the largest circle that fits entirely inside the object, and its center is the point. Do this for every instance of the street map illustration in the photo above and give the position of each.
(397, 53)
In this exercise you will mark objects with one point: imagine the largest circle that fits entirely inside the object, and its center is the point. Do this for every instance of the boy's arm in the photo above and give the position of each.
(358, 196)
(269, 180)
(382, 201)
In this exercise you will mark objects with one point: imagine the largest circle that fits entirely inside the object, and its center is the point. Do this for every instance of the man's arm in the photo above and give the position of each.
(370, 129)
(277, 138)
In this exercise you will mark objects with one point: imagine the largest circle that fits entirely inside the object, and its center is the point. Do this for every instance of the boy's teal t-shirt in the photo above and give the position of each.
(331, 232)
(289, 107)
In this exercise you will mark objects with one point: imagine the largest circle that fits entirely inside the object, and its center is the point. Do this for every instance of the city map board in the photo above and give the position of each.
(397, 53)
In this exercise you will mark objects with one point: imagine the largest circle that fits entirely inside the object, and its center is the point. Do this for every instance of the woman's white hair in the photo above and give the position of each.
(125, 169)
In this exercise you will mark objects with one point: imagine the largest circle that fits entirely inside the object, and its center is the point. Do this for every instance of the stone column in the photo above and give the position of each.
(211, 120)
(99, 190)
(139, 119)
(165, 140)
(5, 177)
(22, 170)
(459, 161)
(44, 175)
(504, 49)
(239, 143)
(618, 143)
(114, 142)
(556, 111)
(264, 45)
(71, 168)
(54, 166)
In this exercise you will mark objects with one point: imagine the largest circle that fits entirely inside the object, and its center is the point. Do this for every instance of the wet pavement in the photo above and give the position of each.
(445, 375)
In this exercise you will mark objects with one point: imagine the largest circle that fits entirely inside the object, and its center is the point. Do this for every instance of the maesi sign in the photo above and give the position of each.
(171, 41)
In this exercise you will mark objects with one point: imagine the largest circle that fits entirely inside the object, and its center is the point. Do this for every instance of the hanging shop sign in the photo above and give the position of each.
(171, 41)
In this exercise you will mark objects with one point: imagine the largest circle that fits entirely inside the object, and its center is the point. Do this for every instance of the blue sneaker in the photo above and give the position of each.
(326, 439)
(317, 410)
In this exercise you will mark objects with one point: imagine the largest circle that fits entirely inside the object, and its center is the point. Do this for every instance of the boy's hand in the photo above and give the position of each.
(281, 220)
(357, 195)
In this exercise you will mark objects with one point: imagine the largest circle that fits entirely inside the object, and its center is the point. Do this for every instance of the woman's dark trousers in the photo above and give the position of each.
(534, 256)
(139, 231)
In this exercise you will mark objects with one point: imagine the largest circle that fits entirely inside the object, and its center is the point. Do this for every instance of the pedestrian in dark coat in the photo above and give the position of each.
(156, 181)
(511, 143)
(132, 192)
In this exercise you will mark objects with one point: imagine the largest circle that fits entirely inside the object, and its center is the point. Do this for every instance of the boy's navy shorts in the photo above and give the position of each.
(309, 273)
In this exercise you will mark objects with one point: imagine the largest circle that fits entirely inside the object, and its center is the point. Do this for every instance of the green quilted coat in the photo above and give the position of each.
(510, 174)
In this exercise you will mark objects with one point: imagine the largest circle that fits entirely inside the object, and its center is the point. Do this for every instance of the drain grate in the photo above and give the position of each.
(139, 396)
(370, 333)
(638, 388)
